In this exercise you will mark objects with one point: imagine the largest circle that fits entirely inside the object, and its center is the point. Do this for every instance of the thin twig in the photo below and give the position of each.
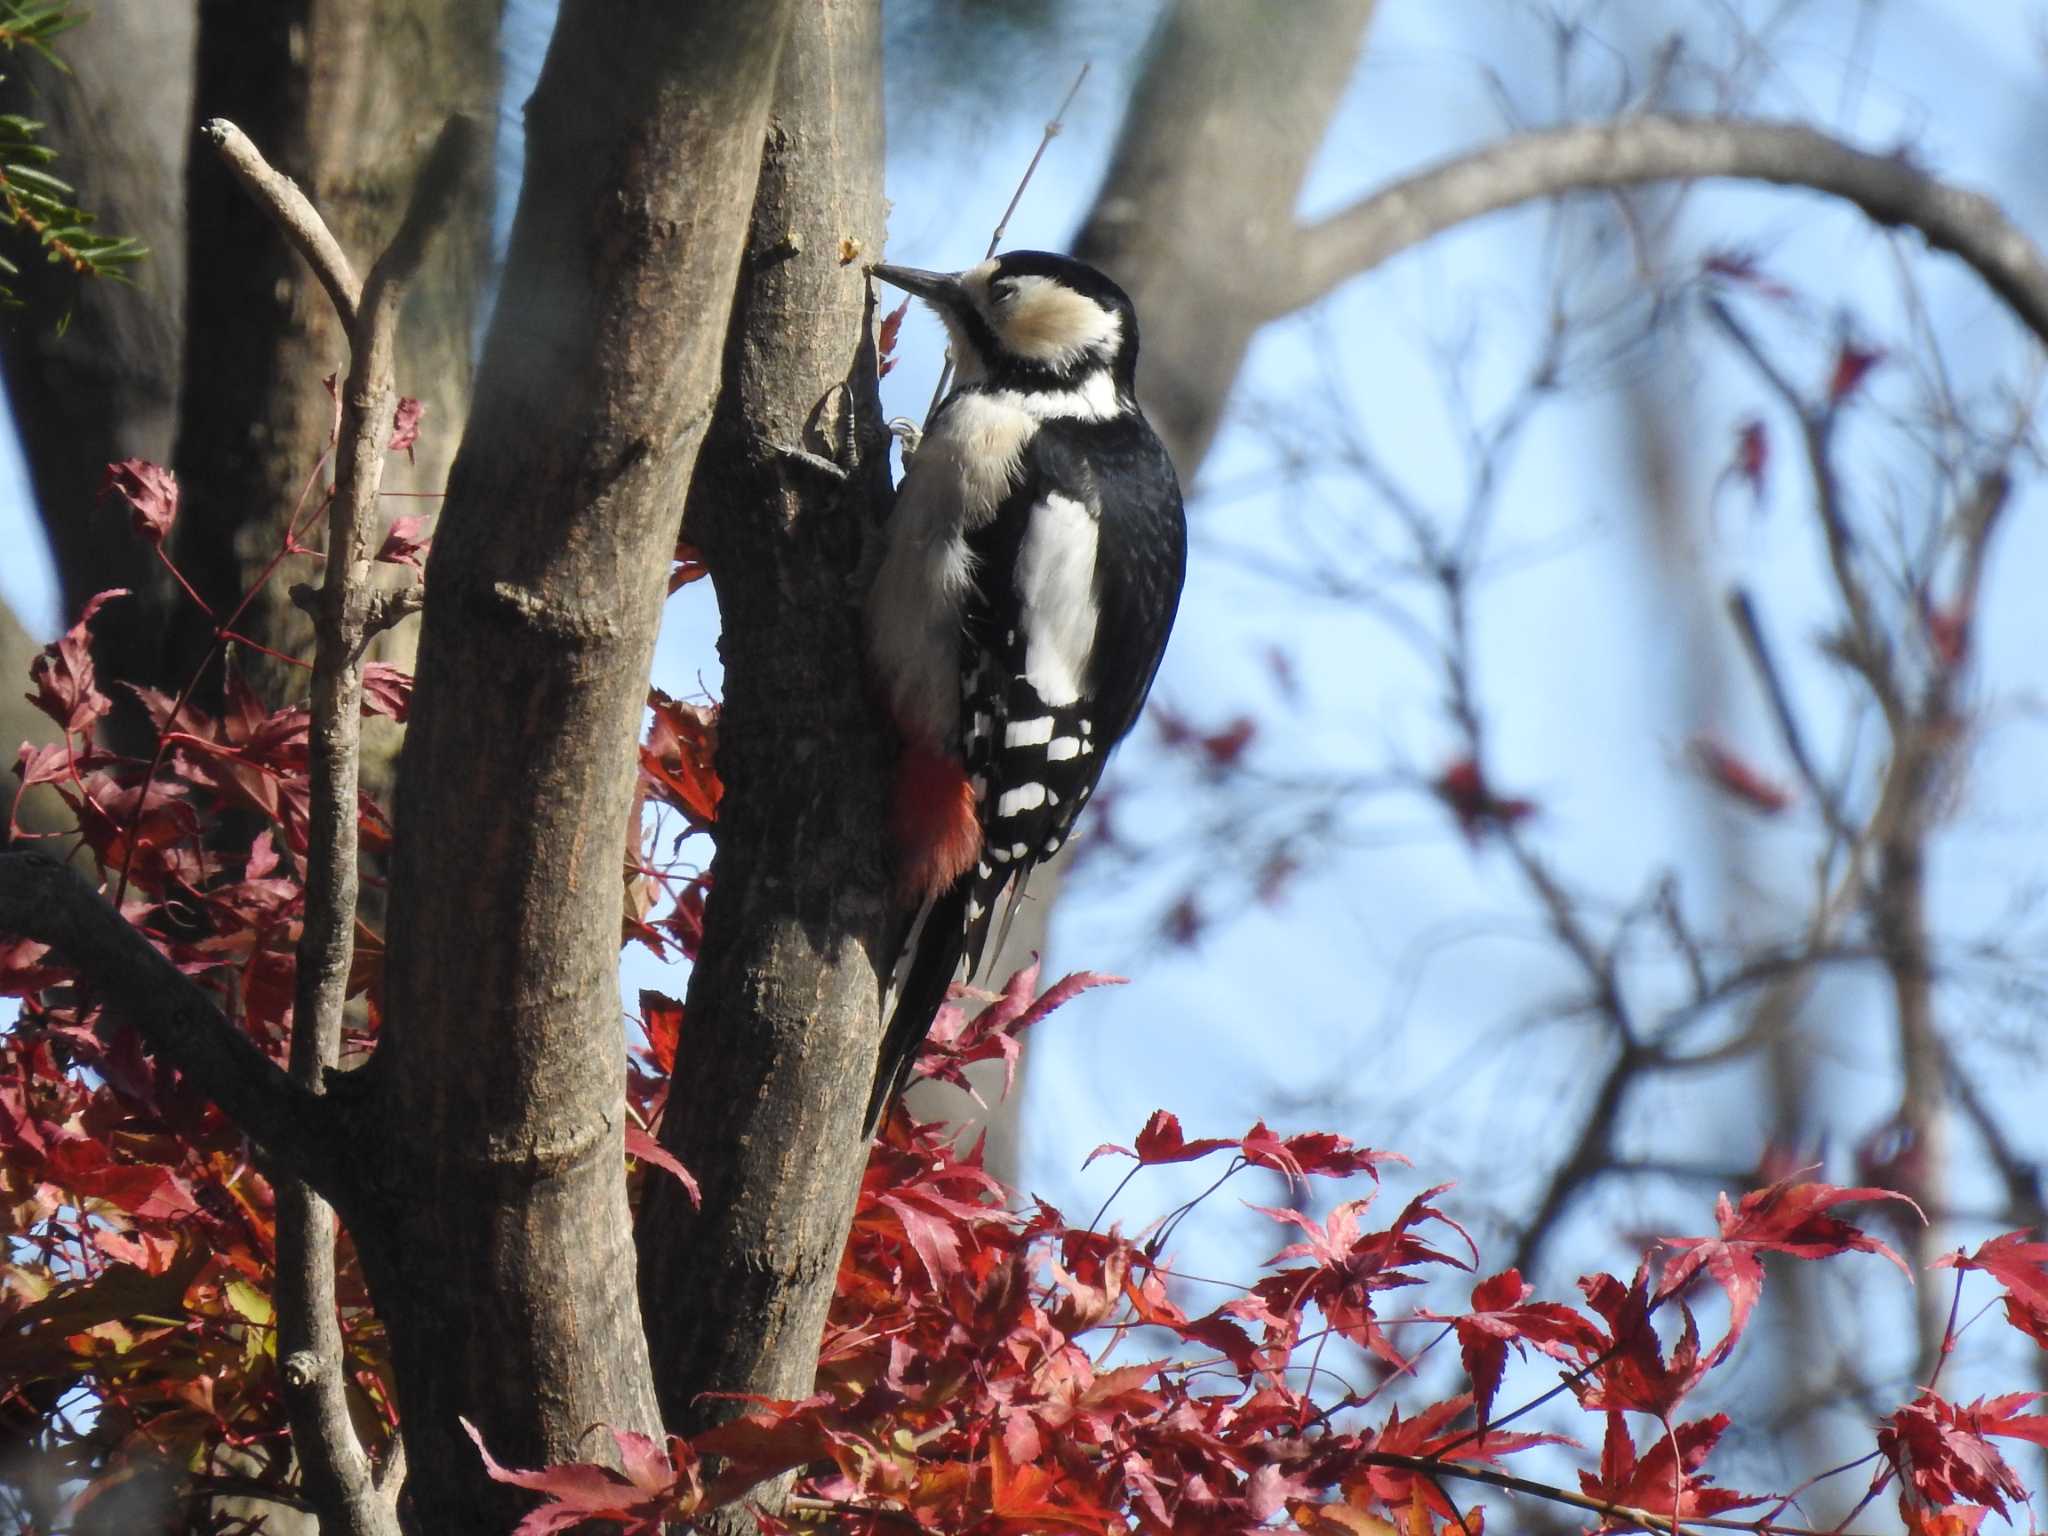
(279, 196)
(335, 1468)
(1052, 131)
(1757, 647)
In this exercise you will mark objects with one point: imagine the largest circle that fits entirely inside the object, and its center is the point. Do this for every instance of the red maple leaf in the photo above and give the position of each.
(644, 1147)
(66, 682)
(1317, 1152)
(1503, 1315)
(1662, 1481)
(386, 691)
(405, 426)
(1464, 788)
(1634, 1373)
(151, 492)
(1161, 1141)
(885, 338)
(1941, 1451)
(1738, 779)
(1752, 455)
(1741, 267)
(1788, 1217)
(676, 759)
(2022, 1268)
(1852, 366)
(689, 567)
(957, 1039)
(654, 1487)
(406, 541)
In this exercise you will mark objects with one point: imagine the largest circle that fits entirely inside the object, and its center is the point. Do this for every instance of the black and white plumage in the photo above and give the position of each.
(1029, 577)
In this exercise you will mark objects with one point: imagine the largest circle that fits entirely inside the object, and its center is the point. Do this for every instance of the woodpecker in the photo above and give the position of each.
(1028, 579)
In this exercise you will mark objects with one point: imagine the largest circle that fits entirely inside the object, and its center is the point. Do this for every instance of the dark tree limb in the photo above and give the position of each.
(782, 1006)
(498, 1244)
(1196, 214)
(334, 1467)
(1591, 156)
(55, 905)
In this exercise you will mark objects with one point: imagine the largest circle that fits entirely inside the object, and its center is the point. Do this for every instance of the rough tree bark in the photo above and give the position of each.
(782, 1027)
(494, 1226)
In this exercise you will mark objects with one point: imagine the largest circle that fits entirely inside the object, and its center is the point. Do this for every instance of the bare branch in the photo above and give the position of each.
(336, 1470)
(53, 904)
(1662, 148)
(280, 197)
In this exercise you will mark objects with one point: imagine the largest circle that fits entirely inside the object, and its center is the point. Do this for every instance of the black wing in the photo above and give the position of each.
(1035, 764)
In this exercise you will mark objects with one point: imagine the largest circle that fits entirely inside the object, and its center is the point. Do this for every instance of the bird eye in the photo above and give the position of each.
(1002, 290)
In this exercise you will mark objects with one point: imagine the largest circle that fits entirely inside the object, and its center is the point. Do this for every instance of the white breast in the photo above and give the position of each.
(963, 470)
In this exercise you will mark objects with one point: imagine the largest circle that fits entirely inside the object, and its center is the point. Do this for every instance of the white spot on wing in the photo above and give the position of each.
(1025, 797)
(1018, 850)
(1056, 581)
(1028, 733)
(1061, 748)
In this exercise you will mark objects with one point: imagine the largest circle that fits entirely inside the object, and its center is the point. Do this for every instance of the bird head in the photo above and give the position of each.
(1028, 317)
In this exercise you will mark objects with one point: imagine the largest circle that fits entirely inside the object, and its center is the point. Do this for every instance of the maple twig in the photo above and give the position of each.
(1052, 131)
(279, 196)
(336, 1468)
(1757, 647)
(1649, 1520)
(53, 904)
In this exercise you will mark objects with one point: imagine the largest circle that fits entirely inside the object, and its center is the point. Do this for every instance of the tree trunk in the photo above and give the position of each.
(1205, 147)
(496, 1235)
(782, 1026)
(344, 96)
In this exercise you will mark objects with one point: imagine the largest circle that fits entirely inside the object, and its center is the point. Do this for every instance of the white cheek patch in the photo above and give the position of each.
(1050, 323)
(1056, 581)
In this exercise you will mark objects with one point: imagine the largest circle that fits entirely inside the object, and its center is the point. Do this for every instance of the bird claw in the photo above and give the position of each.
(812, 461)
(909, 434)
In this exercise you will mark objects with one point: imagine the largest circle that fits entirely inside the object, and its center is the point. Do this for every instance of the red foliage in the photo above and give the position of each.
(1464, 788)
(1502, 1315)
(1852, 367)
(1752, 455)
(885, 338)
(151, 492)
(405, 542)
(1735, 778)
(2021, 1267)
(405, 427)
(970, 1377)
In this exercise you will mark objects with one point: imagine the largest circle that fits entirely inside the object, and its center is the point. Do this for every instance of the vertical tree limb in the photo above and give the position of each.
(333, 1465)
(499, 1248)
(782, 1009)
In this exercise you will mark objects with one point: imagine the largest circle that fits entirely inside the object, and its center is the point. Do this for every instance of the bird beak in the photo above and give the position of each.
(940, 288)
